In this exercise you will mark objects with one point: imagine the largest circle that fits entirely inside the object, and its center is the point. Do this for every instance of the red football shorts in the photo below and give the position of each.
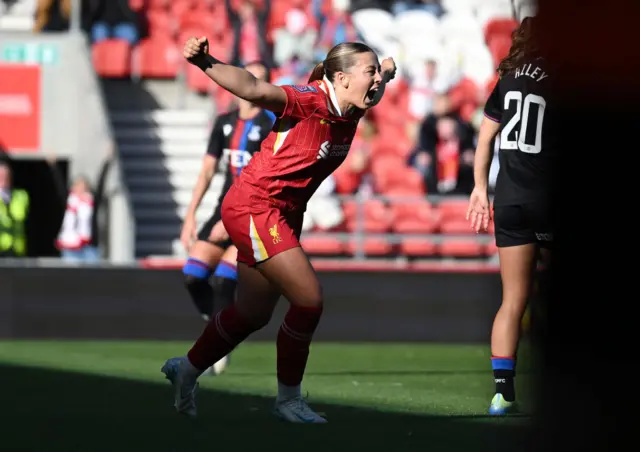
(259, 231)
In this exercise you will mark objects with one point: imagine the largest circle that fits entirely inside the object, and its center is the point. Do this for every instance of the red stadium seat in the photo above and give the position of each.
(499, 47)
(346, 181)
(179, 7)
(377, 217)
(279, 10)
(197, 81)
(499, 27)
(136, 5)
(157, 4)
(413, 181)
(372, 247)
(461, 248)
(417, 248)
(406, 203)
(491, 249)
(323, 246)
(423, 220)
(157, 57)
(456, 226)
(112, 58)
(161, 23)
(455, 209)
(199, 19)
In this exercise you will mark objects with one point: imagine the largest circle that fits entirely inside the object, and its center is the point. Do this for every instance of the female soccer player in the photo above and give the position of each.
(264, 208)
(517, 111)
(235, 138)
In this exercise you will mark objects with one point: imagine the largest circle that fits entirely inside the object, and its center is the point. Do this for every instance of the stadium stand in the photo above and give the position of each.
(403, 185)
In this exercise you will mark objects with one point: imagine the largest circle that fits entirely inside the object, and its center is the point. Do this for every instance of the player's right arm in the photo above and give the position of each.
(488, 130)
(236, 80)
(479, 210)
(207, 171)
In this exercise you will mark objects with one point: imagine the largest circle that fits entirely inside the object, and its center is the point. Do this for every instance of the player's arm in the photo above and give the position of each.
(208, 168)
(388, 69)
(237, 81)
(488, 130)
(484, 153)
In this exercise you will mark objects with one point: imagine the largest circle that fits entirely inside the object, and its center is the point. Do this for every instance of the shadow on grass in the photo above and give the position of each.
(49, 410)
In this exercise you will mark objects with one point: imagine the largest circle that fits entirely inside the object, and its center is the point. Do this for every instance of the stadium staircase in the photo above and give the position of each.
(161, 149)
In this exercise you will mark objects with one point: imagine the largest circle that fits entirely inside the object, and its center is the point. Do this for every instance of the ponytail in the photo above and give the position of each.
(317, 73)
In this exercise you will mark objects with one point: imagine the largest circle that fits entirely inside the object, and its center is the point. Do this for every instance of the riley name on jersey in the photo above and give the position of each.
(530, 70)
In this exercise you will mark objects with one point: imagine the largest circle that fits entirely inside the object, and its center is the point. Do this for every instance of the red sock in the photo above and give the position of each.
(223, 333)
(294, 339)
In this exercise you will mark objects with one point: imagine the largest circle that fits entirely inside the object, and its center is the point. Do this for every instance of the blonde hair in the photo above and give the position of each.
(339, 59)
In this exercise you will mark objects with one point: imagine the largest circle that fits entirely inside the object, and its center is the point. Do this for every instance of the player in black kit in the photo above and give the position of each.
(235, 137)
(517, 114)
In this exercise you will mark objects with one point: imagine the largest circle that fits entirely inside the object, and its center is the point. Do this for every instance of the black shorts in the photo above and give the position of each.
(206, 229)
(523, 224)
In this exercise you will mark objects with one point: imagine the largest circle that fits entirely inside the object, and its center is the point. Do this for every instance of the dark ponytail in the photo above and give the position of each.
(317, 73)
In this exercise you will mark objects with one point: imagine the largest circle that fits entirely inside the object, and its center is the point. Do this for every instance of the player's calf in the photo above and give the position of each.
(197, 275)
(224, 285)
(224, 294)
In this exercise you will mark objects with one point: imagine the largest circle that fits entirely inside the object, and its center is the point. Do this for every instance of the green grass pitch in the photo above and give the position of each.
(111, 396)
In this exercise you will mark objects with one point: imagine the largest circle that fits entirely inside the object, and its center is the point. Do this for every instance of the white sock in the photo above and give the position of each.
(288, 392)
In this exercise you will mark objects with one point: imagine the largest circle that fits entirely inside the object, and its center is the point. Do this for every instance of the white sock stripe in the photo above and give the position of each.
(294, 334)
(221, 330)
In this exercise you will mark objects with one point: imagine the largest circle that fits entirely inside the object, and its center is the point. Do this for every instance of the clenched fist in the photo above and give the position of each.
(196, 49)
(388, 69)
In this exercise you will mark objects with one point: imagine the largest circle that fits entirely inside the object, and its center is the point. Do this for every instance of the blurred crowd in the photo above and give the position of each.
(419, 140)
(446, 50)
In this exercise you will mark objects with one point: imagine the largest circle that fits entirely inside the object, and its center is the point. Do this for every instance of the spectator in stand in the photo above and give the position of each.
(52, 16)
(14, 213)
(78, 239)
(445, 154)
(297, 37)
(115, 19)
(293, 72)
(425, 84)
(335, 27)
(431, 6)
(324, 211)
(249, 24)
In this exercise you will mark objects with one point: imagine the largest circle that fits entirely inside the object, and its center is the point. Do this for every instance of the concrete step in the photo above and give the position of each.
(161, 118)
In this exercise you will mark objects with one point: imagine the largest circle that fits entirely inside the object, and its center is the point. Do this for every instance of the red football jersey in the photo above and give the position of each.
(309, 140)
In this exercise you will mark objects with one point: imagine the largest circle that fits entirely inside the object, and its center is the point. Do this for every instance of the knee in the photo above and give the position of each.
(195, 271)
(514, 307)
(311, 298)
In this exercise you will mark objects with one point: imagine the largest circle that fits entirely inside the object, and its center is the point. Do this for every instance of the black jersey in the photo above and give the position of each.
(526, 139)
(233, 142)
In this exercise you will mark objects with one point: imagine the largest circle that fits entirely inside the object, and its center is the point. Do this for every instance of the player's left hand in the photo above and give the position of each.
(218, 233)
(388, 69)
(196, 49)
(479, 211)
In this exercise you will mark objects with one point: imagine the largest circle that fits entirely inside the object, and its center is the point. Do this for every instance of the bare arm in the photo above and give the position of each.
(237, 81)
(202, 185)
(484, 153)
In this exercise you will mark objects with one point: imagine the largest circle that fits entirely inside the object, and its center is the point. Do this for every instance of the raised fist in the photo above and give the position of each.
(196, 48)
(388, 68)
